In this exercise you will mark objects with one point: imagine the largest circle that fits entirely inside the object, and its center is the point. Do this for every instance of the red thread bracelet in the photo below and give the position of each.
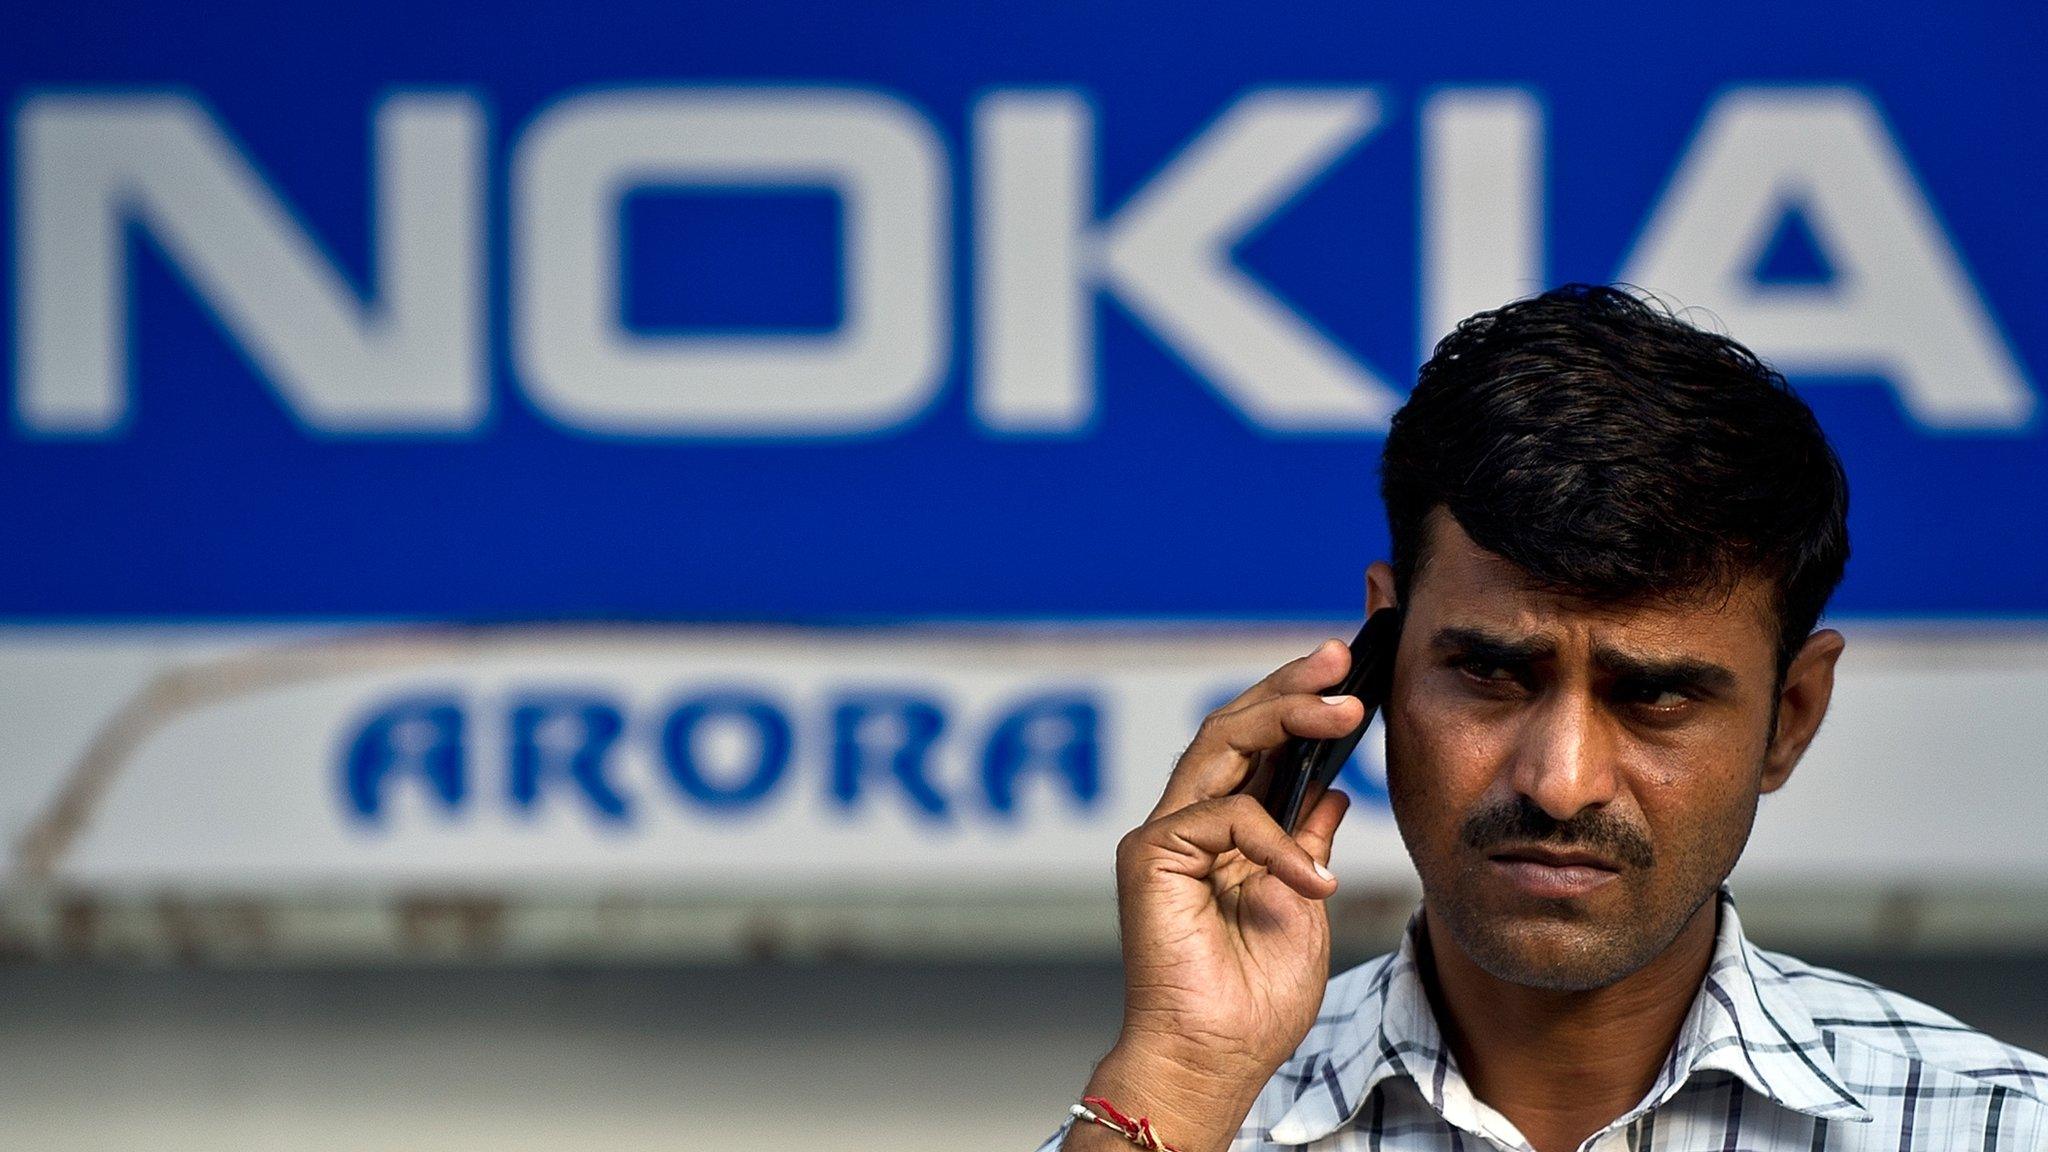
(1138, 1131)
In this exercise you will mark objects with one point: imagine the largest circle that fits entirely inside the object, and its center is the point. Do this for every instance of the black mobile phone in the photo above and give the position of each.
(1305, 768)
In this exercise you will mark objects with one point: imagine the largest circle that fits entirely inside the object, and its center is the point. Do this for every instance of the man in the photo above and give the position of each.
(1613, 535)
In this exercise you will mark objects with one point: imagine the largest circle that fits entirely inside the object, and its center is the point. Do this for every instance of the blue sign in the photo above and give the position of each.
(819, 312)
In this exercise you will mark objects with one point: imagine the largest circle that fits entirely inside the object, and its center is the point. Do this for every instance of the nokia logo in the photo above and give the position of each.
(408, 355)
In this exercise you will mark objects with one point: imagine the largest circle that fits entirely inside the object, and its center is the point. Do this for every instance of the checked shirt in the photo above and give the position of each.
(1774, 1054)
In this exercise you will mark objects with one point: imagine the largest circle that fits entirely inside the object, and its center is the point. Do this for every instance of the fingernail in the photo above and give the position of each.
(1335, 699)
(1325, 873)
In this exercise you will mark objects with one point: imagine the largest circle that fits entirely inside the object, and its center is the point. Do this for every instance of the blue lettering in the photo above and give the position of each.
(870, 730)
(565, 737)
(770, 753)
(421, 735)
(1055, 733)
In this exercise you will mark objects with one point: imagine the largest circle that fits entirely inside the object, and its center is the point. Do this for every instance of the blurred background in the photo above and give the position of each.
(609, 575)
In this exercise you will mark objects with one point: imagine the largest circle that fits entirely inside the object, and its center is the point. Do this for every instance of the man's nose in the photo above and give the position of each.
(1565, 761)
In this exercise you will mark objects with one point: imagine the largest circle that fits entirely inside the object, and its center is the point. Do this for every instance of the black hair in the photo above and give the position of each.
(1615, 452)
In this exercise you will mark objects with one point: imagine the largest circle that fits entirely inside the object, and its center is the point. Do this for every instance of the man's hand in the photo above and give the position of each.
(1226, 941)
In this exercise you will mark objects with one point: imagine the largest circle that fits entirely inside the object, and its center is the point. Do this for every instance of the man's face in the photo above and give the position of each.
(1573, 780)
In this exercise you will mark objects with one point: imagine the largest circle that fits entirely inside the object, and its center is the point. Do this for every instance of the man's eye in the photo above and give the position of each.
(1489, 671)
(1656, 698)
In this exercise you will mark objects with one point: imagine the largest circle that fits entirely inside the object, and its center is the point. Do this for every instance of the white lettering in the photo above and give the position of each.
(1166, 255)
(878, 368)
(1482, 203)
(410, 361)
(1899, 304)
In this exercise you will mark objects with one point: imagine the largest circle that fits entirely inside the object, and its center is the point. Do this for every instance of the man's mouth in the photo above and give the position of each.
(1553, 873)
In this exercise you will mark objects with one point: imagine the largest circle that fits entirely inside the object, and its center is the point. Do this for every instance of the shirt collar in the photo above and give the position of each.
(1745, 1020)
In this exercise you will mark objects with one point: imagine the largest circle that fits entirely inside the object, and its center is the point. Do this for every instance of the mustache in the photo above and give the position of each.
(1521, 823)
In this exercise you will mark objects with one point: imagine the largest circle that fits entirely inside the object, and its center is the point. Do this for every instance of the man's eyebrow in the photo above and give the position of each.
(1484, 645)
(1676, 671)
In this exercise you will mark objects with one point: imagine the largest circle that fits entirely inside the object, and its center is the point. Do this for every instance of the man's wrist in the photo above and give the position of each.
(1193, 1108)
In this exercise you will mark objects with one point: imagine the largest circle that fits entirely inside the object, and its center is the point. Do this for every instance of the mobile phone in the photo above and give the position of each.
(1305, 768)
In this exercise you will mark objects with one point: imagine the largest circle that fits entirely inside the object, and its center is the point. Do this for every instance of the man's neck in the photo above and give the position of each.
(1563, 1065)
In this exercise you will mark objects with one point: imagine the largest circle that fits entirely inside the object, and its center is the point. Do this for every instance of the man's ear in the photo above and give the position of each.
(1802, 703)
(1379, 587)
